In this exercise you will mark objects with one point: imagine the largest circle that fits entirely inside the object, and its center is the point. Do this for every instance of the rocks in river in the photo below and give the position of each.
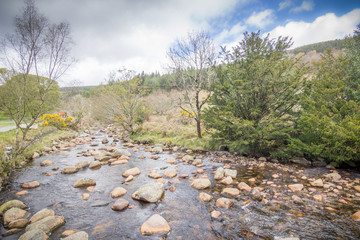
(296, 187)
(157, 150)
(317, 183)
(132, 171)
(67, 233)
(201, 183)
(100, 203)
(205, 197)
(19, 223)
(35, 234)
(301, 161)
(183, 176)
(154, 225)
(48, 224)
(231, 191)
(150, 192)
(219, 174)
(43, 213)
(333, 176)
(84, 182)
(356, 216)
(46, 163)
(118, 192)
(317, 197)
(85, 196)
(256, 195)
(297, 199)
(10, 204)
(154, 174)
(188, 158)
(69, 170)
(81, 235)
(12, 232)
(105, 141)
(14, 214)
(29, 185)
(171, 160)
(215, 214)
(95, 164)
(120, 204)
(197, 162)
(230, 173)
(357, 188)
(129, 179)
(102, 157)
(119, 162)
(224, 203)
(82, 164)
(227, 180)
(121, 152)
(170, 173)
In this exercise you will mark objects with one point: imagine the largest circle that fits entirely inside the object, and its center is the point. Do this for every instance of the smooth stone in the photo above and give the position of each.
(13, 214)
(297, 199)
(46, 163)
(129, 178)
(197, 162)
(118, 162)
(205, 197)
(12, 232)
(84, 182)
(10, 204)
(82, 164)
(201, 183)
(69, 170)
(244, 187)
(256, 195)
(85, 196)
(19, 223)
(154, 174)
(81, 235)
(157, 150)
(219, 174)
(170, 173)
(43, 213)
(118, 192)
(150, 192)
(20, 193)
(48, 224)
(154, 225)
(230, 172)
(171, 160)
(224, 203)
(35, 234)
(356, 216)
(68, 233)
(29, 185)
(333, 176)
(357, 188)
(133, 171)
(231, 191)
(95, 164)
(215, 214)
(296, 187)
(317, 183)
(121, 152)
(227, 180)
(120, 204)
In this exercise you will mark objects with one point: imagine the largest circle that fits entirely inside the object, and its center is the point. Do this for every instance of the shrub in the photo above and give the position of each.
(56, 120)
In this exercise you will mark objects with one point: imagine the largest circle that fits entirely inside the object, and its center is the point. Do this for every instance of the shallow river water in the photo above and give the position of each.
(188, 217)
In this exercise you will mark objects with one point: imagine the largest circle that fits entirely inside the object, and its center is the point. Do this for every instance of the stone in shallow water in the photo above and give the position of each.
(150, 192)
(154, 225)
(69, 232)
(82, 164)
(118, 192)
(317, 183)
(48, 224)
(215, 214)
(205, 197)
(120, 204)
(201, 183)
(84, 182)
(231, 191)
(227, 180)
(19, 223)
(224, 203)
(69, 170)
(78, 236)
(219, 174)
(230, 173)
(10, 204)
(46, 163)
(43, 213)
(35, 234)
(29, 185)
(171, 160)
(13, 214)
(95, 164)
(244, 187)
(356, 216)
(154, 174)
(100, 203)
(170, 173)
(12, 232)
(296, 187)
(133, 171)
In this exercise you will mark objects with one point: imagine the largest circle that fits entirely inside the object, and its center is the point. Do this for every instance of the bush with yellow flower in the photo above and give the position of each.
(56, 120)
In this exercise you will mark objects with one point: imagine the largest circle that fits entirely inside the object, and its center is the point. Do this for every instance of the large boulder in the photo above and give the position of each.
(48, 224)
(132, 171)
(150, 192)
(35, 234)
(154, 225)
(43, 213)
(201, 183)
(14, 214)
(84, 182)
(10, 204)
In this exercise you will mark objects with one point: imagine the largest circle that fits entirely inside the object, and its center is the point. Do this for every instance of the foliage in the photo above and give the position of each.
(321, 46)
(251, 108)
(56, 120)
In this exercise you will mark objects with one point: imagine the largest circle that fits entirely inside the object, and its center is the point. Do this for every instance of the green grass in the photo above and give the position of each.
(6, 123)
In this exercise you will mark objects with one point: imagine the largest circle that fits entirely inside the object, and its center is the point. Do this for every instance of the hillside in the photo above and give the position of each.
(320, 47)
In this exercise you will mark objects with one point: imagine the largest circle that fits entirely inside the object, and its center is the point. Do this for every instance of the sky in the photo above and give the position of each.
(136, 34)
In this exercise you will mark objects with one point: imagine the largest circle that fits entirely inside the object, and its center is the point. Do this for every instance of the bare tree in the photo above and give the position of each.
(36, 55)
(191, 59)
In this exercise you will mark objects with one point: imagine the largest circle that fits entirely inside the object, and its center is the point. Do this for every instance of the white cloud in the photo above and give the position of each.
(284, 4)
(227, 36)
(305, 6)
(261, 19)
(324, 28)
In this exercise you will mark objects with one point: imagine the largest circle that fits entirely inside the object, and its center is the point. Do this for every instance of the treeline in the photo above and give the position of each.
(320, 47)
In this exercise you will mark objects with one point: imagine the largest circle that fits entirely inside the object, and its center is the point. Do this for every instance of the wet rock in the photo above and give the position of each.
(230, 173)
(29, 185)
(333, 176)
(215, 214)
(48, 224)
(12, 232)
(227, 180)
(105, 141)
(224, 203)
(150, 192)
(172, 189)
(171, 160)
(317, 197)
(154, 174)
(219, 174)
(35, 234)
(84, 182)
(121, 152)
(184, 176)
(78, 236)
(13, 214)
(357, 188)
(252, 180)
(120, 204)
(231, 191)
(43, 213)
(20, 193)
(256, 195)
(244, 187)
(85, 196)
(317, 183)
(296, 187)
(301, 161)
(101, 203)
(154, 225)
(69, 170)
(82, 164)
(118, 162)
(95, 164)
(205, 197)
(102, 157)
(46, 163)
(170, 173)
(297, 199)
(197, 162)
(188, 158)
(356, 216)
(133, 171)
(55, 168)
(68, 233)
(129, 179)
(12, 204)
(157, 150)
(201, 183)
(161, 180)
(19, 223)
(118, 192)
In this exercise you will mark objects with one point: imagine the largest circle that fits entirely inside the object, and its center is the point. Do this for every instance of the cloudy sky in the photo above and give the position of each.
(136, 34)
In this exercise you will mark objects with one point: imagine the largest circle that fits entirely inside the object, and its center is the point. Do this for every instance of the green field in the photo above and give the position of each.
(6, 123)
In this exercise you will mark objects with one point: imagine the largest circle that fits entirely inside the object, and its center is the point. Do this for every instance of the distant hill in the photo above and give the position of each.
(320, 47)
(74, 89)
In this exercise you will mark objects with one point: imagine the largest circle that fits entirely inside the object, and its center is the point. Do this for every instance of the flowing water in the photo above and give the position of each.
(188, 217)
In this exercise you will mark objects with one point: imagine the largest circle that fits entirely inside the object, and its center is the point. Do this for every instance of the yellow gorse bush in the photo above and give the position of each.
(56, 120)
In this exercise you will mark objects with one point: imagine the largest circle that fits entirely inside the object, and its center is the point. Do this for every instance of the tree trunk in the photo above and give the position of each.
(198, 128)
